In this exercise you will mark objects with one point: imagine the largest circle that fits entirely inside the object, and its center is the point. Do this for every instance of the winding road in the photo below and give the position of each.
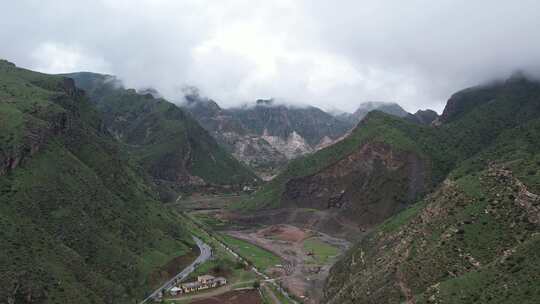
(206, 253)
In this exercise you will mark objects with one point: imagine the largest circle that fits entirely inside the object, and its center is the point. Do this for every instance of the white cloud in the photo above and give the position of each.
(334, 54)
(50, 57)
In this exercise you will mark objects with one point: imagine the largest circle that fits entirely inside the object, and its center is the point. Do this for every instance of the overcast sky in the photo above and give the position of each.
(329, 53)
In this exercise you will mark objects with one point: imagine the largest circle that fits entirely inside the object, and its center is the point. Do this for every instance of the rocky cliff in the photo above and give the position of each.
(266, 135)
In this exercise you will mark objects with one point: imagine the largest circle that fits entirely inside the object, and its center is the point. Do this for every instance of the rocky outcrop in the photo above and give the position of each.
(266, 135)
(255, 152)
(369, 185)
(292, 146)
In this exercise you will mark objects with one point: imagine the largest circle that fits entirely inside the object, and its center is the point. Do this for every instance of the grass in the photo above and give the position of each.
(160, 135)
(322, 252)
(222, 262)
(78, 220)
(259, 257)
(509, 281)
(497, 121)
(211, 221)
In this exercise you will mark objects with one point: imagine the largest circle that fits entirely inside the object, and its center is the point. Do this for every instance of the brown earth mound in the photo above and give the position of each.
(284, 233)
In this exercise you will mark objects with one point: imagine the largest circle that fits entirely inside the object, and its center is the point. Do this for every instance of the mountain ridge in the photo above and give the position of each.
(79, 219)
(265, 135)
(477, 231)
(170, 145)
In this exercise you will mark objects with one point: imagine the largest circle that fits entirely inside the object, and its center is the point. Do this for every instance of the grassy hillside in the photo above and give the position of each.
(475, 239)
(78, 221)
(378, 127)
(169, 144)
(511, 104)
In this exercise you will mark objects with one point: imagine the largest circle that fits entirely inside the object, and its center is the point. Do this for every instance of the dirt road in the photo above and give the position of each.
(298, 274)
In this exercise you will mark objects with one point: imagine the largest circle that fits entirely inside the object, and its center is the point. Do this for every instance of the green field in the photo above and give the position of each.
(260, 258)
(322, 251)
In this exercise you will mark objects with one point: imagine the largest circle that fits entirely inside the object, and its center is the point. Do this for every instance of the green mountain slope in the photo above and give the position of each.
(474, 239)
(441, 148)
(169, 144)
(79, 222)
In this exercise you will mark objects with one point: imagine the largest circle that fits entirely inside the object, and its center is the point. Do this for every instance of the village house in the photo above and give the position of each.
(203, 282)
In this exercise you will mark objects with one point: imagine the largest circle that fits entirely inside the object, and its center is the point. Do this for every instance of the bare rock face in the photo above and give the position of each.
(292, 146)
(266, 135)
(346, 185)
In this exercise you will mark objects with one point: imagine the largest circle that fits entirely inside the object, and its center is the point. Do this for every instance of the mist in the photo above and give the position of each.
(330, 54)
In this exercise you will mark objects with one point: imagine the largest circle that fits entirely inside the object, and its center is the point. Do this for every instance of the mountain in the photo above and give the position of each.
(421, 116)
(444, 213)
(173, 148)
(366, 107)
(386, 107)
(425, 117)
(359, 181)
(475, 237)
(310, 125)
(266, 135)
(79, 219)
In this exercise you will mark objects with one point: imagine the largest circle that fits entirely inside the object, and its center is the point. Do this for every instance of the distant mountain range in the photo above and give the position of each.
(266, 135)
(421, 116)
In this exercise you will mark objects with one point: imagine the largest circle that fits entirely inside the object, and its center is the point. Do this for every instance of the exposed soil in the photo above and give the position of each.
(233, 297)
(328, 221)
(346, 186)
(298, 274)
(284, 233)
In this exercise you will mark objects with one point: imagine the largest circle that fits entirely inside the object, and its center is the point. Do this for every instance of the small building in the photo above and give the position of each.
(175, 291)
(205, 279)
(219, 281)
(203, 282)
(191, 287)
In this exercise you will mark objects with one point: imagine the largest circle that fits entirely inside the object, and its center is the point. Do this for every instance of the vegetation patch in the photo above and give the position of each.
(320, 251)
(259, 257)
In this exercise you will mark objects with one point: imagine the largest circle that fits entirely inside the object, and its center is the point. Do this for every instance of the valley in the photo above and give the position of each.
(269, 152)
(110, 195)
(299, 259)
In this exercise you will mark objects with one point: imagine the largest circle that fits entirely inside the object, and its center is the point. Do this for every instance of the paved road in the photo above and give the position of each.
(206, 253)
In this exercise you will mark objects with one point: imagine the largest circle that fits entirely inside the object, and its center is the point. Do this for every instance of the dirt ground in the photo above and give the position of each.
(233, 297)
(298, 274)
